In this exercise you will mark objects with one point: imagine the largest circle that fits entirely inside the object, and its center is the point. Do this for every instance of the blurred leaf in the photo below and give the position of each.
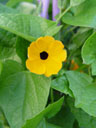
(93, 66)
(10, 67)
(89, 52)
(45, 124)
(53, 30)
(84, 120)
(21, 48)
(79, 38)
(7, 44)
(63, 118)
(27, 8)
(22, 94)
(1, 125)
(48, 112)
(5, 9)
(76, 2)
(1, 66)
(3, 1)
(12, 3)
(27, 26)
(62, 4)
(61, 84)
(82, 15)
(83, 90)
(51, 126)
(3, 121)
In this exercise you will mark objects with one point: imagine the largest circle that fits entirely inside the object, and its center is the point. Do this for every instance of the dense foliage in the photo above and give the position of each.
(65, 100)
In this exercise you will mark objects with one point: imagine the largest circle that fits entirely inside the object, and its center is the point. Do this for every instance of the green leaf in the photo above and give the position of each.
(10, 67)
(62, 4)
(77, 82)
(84, 120)
(63, 118)
(7, 44)
(12, 3)
(51, 126)
(3, 1)
(5, 9)
(1, 66)
(48, 112)
(89, 52)
(28, 8)
(21, 49)
(79, 38)
(89, 99)
(76, 2)
(83, 90)
(3, 121)
(45, 124)
(93, 66)
(1, 125)
(26, 94)
(27, 26)
(82, 15)
(61, 84)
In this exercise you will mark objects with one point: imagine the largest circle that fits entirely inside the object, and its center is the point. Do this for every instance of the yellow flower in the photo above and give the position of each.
(45, 56)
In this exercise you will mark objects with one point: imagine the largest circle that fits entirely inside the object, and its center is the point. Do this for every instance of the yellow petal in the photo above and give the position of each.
(35, 66)
(44, 43)
(58, 54)
(62, 55)
(33, 51)
(58, 44)
(48, 38)
(52, 67)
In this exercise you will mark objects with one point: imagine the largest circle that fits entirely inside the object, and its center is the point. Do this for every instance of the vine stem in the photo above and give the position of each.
(62, 14)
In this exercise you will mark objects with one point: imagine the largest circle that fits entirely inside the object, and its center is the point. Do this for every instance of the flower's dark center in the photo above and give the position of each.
(43, 55)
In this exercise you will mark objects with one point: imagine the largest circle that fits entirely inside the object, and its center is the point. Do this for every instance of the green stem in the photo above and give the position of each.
(61, 15)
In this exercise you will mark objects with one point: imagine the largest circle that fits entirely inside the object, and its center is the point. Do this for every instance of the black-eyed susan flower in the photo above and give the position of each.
(45, 56)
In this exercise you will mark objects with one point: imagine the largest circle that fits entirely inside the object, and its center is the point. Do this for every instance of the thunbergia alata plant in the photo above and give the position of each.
(48, 71)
